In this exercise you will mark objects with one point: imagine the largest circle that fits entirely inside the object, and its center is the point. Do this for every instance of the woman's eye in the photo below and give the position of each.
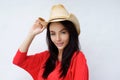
(64, 32)
(52, 33)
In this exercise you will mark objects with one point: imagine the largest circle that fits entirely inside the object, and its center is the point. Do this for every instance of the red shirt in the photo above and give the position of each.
(33, 64)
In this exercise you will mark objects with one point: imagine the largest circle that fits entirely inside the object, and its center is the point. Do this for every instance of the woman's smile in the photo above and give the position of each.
(60, 44)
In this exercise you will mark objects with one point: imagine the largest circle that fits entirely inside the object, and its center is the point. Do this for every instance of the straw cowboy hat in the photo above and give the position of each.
(59, 13)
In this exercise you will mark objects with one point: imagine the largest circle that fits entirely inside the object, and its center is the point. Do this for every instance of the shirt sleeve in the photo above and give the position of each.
(80, 69)
(30, 63)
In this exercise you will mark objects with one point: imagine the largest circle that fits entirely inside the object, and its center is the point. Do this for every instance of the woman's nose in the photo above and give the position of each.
(58, 37)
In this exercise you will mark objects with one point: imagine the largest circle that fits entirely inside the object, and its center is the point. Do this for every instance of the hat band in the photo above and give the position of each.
(57, 19)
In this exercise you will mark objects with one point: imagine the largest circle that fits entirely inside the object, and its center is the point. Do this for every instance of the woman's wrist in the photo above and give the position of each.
(26, 43)
(31, 34)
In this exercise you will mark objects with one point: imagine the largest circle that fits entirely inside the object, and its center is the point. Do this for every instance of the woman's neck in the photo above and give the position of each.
(60, 55)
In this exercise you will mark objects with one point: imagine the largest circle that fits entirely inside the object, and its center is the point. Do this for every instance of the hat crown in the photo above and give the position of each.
(58, 12)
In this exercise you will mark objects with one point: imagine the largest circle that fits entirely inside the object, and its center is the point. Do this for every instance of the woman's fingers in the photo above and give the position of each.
(42, 21)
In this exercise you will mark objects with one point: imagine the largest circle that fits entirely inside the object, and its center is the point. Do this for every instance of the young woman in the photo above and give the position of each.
(63, 60)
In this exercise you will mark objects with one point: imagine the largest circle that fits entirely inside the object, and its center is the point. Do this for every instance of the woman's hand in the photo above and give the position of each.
(38, 26)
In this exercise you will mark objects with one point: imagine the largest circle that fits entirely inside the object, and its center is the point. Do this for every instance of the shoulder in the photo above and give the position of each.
(42, 54)
(40, 57)
(80, 54)
(79, 57)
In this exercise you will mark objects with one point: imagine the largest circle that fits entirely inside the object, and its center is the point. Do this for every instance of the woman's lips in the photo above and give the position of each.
(59, 44)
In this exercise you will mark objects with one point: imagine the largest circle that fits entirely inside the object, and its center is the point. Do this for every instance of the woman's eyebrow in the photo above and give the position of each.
(63, 29)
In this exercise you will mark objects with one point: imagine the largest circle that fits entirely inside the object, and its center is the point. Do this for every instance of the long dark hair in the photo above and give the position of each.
(68, 52)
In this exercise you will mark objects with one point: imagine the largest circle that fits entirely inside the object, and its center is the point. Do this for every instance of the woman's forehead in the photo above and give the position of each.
(56, 26)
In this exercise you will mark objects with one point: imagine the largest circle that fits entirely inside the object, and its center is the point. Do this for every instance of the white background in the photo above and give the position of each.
(99, 38)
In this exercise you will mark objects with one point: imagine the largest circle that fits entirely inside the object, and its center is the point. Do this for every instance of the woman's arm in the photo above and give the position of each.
(20, 56)
(26, 62)
(37, 28)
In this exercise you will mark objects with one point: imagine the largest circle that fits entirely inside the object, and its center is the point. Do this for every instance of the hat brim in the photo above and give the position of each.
(71, 18)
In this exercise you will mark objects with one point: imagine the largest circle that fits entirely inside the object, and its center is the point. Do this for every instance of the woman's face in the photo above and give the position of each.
(59, 35)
